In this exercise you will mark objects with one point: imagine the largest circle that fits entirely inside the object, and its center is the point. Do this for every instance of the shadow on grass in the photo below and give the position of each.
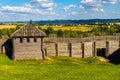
(115, 57)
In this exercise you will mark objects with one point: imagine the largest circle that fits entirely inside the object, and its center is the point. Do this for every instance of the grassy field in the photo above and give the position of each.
(73, 28)
(58, 68)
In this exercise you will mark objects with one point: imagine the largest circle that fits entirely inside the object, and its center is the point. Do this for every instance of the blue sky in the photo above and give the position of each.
(24, 10)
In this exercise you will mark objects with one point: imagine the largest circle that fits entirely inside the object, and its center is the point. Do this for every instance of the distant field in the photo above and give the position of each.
(58, 68)
(7, 26)
(118, 23)
(73, 28)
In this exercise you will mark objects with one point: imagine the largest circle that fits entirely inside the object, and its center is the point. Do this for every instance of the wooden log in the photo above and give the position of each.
(56, 49)
(119, 41)
(83, 52)
(70, 49)
(107, 49)
(42, 50)
(45, 51)
(13, 50)
(2, 49)
(94, 49)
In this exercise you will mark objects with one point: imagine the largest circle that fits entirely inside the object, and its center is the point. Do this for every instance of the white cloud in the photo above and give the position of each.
(86, 1)
(16, 9)
(74, 13)
(1, 13)
(44, 3)
(102, 10)
(95, 5)
(95, 9)
(19, 15)
(50, 9)
(109, 1)
(116, 12)
(82, 7)
(69, 6)
(3, 16)
(98, 10)
(40, 7)
(41, 12)
(28, 5)
(44, 6)
(101, 2)
(53, 13)
(47, 5)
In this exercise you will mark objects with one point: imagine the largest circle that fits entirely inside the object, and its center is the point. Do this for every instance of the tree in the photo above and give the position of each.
(59, 33)
(49, 30)
(17, 27)
(30, 22)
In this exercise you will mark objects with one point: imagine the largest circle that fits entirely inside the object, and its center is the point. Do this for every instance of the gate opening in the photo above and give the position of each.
(101, 52)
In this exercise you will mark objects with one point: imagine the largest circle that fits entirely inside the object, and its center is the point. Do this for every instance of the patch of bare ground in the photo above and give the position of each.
(103, 59)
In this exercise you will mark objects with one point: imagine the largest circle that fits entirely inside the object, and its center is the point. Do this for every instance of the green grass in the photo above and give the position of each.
(58, 68)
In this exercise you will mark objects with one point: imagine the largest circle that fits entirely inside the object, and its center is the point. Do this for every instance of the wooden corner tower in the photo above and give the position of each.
(27, 43)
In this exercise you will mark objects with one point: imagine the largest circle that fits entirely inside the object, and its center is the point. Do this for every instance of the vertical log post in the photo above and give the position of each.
(56, 49)
(70, 49)
(2, 49)
(13, 50)
(119, 41)
(2, 45)
(45, 51)
(94, 49)
(83, 52)
(42, 50)
(107, 49)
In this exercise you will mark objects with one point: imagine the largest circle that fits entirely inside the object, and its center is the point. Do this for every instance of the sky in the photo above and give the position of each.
(25, 10)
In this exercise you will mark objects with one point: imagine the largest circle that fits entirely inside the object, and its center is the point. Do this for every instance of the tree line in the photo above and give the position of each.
(98, 30)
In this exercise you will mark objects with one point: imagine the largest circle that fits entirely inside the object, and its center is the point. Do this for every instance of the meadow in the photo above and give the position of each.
(72, 28)
(56, 28)
(58, 68)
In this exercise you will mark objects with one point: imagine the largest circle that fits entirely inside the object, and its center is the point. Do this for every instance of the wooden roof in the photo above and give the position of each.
(28, 30)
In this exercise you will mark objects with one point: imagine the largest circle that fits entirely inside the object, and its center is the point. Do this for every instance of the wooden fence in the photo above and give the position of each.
(81, 39)
(81, 47)
(78, 47)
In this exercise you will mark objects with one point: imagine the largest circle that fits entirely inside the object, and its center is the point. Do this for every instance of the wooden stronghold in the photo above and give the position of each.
(27, 43)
